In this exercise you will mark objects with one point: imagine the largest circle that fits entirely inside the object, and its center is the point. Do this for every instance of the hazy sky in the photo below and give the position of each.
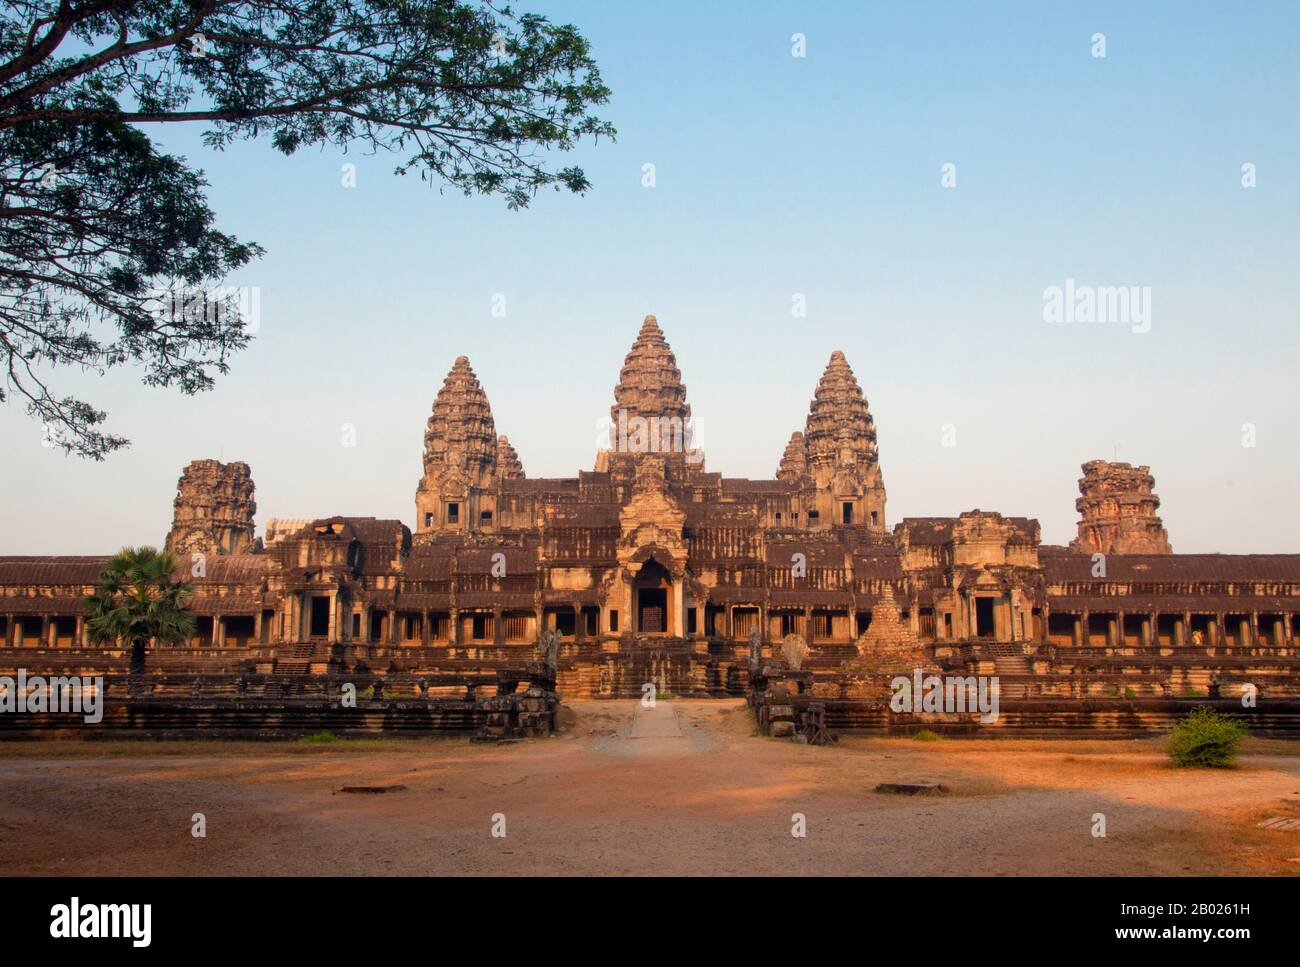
(775, 176)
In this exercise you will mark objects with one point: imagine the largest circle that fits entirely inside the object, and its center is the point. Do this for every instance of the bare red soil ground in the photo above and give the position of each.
(594, 800)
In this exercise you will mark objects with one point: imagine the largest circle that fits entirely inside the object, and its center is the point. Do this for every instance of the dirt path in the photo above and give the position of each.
(595, 800)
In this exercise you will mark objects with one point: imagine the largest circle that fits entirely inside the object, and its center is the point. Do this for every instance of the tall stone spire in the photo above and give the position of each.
(460, 433)
(839, 431)
(509, 465)
(460, 453)
(794, 462)
(650, 413)
(1117, 511)
(650, 384)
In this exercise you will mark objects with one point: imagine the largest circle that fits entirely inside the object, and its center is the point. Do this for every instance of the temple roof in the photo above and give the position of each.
(1060, 564)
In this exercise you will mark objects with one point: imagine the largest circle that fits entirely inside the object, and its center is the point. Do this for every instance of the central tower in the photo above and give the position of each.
(650, 413)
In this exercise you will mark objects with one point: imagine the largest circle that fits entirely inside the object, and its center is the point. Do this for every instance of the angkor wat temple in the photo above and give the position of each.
(652, 568)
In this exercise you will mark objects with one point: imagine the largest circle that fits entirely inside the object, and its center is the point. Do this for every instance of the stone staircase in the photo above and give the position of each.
(1010, 662)
(667, 662)
(299, 661)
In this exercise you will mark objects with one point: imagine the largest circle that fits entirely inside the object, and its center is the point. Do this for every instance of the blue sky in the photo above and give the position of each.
(778, 175)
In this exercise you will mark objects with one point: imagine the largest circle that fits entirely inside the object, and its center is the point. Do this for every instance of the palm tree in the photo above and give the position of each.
(137, 600)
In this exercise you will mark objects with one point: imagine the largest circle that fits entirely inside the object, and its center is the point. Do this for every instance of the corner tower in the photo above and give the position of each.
(457, 489)
(840, 450)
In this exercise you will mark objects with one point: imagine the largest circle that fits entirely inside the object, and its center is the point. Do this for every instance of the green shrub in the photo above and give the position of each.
(1205, 739)
(324, 737)
(1130, 692)
(926, 735)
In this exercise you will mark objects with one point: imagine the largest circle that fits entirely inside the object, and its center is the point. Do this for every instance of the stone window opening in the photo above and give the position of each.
(485, 517)
(478, 626)
(875, 518)
(847, 512)
(428, 518)
(814, 516)
(453, 513)
(613, 620)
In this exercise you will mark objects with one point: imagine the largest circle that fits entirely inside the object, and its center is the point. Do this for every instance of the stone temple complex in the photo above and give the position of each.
(651, 568)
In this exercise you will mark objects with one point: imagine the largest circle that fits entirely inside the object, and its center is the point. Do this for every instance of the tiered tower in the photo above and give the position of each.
(213, 510)
(794, 462)
(460, 456)
(1117, 511)
(840, 446)
(650, 413)
(509, 466)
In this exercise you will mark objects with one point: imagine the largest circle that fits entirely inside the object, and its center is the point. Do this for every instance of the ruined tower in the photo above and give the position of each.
(650, 413)
(840, 445)
(460, 456)
(509, 466)
(1117, 511)
(794, 462)
(213, 510)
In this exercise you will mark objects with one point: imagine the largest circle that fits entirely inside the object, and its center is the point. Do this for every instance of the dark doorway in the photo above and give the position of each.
(984, 626)
(652, 584)
(847, 510)
(320, 617)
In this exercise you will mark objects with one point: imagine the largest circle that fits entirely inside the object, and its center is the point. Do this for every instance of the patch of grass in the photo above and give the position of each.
(927, 735)
(1130, 692)
(320, 738)
(1205, 739)
(1191, 693)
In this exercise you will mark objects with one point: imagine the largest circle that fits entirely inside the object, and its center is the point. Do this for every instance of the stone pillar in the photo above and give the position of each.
(577, 624)
(394, 627)
(1121, 636)
(454, 638)
(1254, 628)
(46, 624)
(679, 608)
(1086, 626)
(498, 627)
(1185, 629)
